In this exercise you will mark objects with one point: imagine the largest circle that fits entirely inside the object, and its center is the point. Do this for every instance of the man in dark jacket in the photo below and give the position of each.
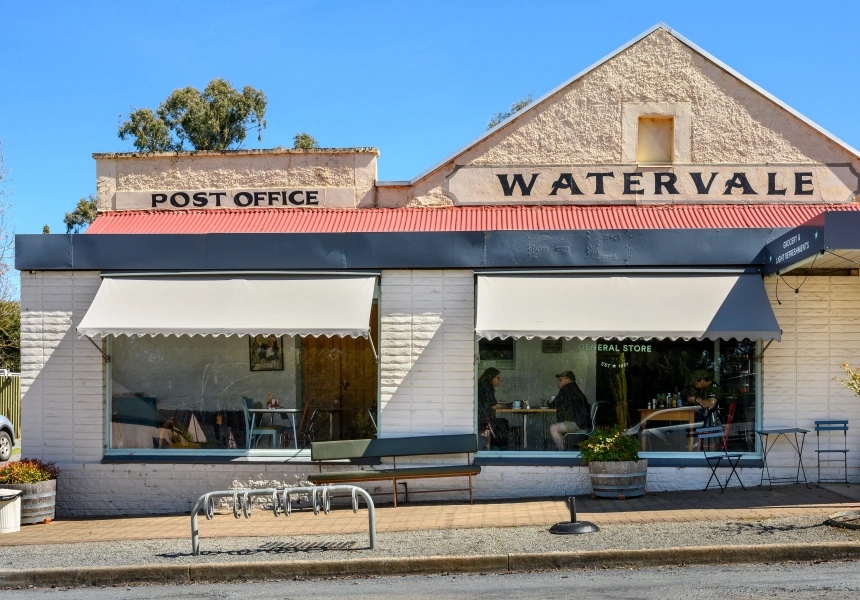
(572, 411)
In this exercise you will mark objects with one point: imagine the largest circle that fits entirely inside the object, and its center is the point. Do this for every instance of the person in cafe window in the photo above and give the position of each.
(492, 432)
(572, 411)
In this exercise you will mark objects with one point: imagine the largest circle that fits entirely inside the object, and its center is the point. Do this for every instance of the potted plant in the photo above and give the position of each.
(38, 482)
(614, 465)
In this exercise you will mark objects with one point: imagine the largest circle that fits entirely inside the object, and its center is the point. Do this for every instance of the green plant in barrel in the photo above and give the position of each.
(609, 444)
(37, 482)
(28, 470)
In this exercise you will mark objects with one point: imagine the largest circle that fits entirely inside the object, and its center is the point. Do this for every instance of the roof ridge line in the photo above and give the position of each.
(660, 25)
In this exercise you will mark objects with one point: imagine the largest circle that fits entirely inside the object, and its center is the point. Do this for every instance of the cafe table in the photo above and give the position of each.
(331, 410)
(525, 412)
(679, 413)
(289, 412)
(790, 434)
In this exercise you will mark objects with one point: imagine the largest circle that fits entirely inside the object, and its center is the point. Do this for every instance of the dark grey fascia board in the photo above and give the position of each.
(396, 250)
(627, 248)
(842, 230)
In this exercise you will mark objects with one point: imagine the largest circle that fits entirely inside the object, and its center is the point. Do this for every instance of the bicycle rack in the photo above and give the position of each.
(281, 503)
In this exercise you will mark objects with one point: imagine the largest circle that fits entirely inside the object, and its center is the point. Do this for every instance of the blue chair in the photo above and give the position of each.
(257, 431)
(714, 458)
(828, 427)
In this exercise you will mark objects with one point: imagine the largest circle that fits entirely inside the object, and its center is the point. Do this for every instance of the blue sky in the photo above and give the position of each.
(416, 80)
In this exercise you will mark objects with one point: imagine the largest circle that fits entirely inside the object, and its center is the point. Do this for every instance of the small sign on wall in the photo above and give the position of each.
(550, 346)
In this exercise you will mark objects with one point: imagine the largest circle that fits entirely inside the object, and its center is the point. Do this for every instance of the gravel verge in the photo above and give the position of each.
(447, 542)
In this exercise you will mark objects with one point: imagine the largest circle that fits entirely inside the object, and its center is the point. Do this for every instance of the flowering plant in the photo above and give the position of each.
(609, 445)
(28, 470)
(853, 381)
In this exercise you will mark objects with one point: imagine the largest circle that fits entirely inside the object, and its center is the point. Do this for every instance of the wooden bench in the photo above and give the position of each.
(393, 448)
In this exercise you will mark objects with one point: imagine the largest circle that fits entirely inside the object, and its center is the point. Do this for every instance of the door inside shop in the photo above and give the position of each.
(339, 381)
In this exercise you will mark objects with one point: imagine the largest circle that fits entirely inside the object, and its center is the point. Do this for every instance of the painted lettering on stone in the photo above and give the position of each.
(243, 199)
(570, 184)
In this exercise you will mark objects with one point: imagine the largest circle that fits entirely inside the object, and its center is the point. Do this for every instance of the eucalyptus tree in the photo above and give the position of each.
(512, 110)
(10, 309)
(83, 215)
(217, 118)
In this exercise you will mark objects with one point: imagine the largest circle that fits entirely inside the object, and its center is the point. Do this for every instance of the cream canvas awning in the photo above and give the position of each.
(673, 306)
(231, 305)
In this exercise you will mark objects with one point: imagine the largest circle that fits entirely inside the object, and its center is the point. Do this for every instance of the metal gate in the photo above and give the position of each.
(10, 400)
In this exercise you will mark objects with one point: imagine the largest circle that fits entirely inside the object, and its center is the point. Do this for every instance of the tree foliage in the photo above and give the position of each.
(305, 141)
(10, 335)
(218, 118)
(10, 309)
(512, 110)
(80, 218)
(852, 381)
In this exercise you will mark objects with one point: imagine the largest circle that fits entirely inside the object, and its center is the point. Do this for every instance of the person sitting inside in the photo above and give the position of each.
(492, 432)
(572, 411)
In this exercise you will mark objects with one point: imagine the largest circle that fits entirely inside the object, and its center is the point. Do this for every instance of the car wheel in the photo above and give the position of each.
(5, 446)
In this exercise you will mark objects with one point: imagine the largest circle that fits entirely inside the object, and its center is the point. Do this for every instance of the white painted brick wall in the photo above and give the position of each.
(427, 352)
(427, 375)
(821, 330)
(117, 489)
(62, 405)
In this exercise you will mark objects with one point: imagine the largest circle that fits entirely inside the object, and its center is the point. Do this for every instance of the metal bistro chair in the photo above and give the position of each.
(715, 458)
(259, 430)
(583, 434)
(307, 424)
(827, 427)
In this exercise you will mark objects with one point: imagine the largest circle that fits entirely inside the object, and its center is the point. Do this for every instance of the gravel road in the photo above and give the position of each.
(806, 530)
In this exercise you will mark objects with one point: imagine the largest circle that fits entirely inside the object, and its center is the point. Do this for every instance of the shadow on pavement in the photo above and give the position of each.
(271, 548)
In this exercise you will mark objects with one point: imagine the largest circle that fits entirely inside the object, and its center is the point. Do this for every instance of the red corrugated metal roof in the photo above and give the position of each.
(459, 218)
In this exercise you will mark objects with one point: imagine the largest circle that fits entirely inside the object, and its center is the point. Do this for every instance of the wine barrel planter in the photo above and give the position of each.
(38, 501)
(622, 479)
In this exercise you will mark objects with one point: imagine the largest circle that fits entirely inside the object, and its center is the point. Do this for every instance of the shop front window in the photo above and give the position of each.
(241, 393)
(542, 399)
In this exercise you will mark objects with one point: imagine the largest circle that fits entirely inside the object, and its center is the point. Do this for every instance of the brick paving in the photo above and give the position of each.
(735, 504)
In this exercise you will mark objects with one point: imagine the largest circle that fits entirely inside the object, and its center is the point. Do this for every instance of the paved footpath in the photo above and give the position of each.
(694, 527)
(689, 506)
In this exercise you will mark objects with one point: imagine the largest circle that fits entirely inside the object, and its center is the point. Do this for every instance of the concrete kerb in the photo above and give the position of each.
(258, 571)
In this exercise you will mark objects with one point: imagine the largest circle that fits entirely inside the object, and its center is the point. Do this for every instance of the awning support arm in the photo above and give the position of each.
(372, 347)
(760, 354)
(99, 348)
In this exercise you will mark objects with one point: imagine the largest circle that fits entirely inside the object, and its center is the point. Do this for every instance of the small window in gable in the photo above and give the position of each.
(656, 136)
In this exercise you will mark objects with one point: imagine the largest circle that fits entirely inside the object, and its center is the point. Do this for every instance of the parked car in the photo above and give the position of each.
(678, 437)
(681, 437)
(7, 438)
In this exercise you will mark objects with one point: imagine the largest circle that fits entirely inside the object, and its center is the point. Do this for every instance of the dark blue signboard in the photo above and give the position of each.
(831, 230)
(793, 247)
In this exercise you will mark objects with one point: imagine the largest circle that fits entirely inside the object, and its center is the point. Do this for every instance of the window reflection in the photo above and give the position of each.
(658, 390)
(240, 392)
